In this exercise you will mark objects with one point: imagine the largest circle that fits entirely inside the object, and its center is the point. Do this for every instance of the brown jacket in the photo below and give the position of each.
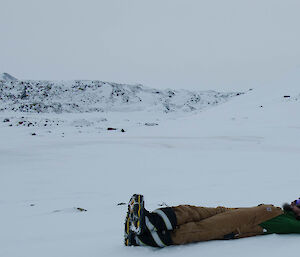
(202, 224)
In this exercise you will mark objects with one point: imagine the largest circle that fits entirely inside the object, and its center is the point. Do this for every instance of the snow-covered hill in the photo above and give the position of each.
(7, 77)
(95, 105)
(97, 96)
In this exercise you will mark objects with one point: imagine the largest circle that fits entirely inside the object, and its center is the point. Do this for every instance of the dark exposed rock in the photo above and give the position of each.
(151, 124)
(80, 209)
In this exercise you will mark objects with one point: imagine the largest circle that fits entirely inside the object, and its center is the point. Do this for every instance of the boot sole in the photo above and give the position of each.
(135, 219)
(138, 215)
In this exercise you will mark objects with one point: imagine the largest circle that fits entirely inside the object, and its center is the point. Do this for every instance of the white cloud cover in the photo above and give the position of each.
(179, 44)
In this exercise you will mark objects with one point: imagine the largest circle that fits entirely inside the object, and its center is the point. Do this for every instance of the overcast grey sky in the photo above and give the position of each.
(211, 44)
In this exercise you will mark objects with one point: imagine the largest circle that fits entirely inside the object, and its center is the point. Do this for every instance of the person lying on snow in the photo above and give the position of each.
(185, 224)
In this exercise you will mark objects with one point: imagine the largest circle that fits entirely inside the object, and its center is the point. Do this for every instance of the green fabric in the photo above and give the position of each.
(283, 224)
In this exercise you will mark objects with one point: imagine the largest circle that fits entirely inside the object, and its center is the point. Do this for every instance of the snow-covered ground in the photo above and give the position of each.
(242, 152)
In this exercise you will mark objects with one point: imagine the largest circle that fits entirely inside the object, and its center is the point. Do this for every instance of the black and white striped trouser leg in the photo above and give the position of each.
(161, 219)
(159, 225)
(154, 238)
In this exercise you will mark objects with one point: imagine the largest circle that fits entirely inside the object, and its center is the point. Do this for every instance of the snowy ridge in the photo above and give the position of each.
(7, 77)
(81, 96)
